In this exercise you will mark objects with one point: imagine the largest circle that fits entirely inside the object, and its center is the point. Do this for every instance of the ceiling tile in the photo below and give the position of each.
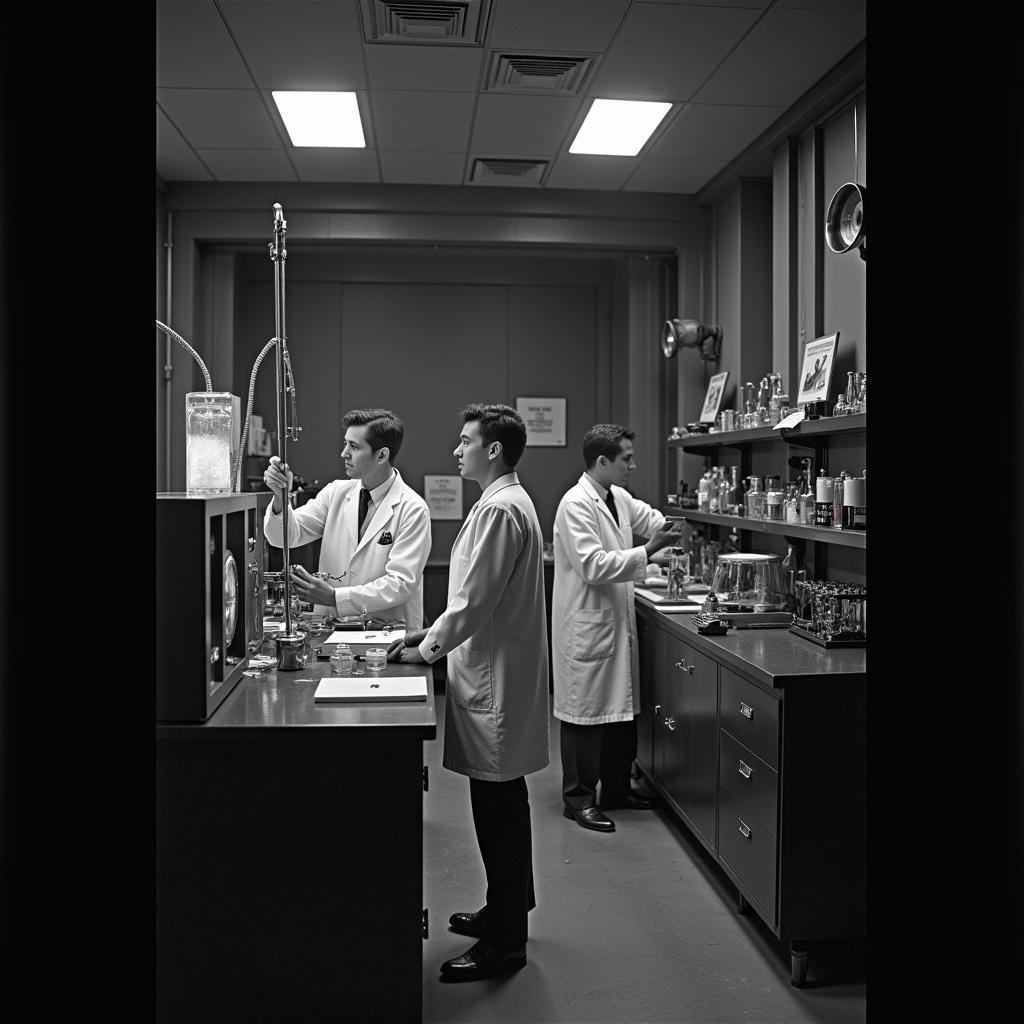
(181, 165)
(219, 118)
(784, 56)
(193, 48)
(422, 168)
(665, 52)
(522, 124)
(705, 132)
(436, 122)
(537, 25)
(315, 164)
(300, 45)
(573, 170)
(167, 136)
(248, 164)
(686, 176)
(443, 68)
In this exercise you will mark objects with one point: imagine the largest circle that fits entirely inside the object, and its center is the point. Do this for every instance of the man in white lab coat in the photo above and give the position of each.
(494, 635)
(375, 527)
(594, 649)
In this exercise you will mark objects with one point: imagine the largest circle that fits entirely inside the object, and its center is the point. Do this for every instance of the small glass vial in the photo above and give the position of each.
(773, 499)
(839, 409)
(341, 660)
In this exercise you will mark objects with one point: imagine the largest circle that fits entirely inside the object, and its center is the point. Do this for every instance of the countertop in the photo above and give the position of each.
(775, 658)
(284, 700)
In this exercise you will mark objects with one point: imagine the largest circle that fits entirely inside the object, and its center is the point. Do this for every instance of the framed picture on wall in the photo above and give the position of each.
(713, 398)
(545, 421)
(816, 370)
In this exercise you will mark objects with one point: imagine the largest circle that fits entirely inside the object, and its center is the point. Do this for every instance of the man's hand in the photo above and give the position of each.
(407, 650)
(311, 589)
(668, 537)
(276, 476)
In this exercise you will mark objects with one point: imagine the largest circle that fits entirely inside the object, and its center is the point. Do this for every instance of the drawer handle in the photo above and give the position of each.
(745, 770)
(744, 829)
(670, 722)
(657, 709)
(746, 710)
(686, 668)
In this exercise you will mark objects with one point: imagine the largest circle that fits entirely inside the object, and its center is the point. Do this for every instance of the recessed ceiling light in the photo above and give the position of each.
(321, 118)
(618, 127)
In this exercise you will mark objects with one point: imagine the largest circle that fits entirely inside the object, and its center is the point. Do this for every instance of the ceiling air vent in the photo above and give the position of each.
(449, 21)
(548, 73)
(507, 172)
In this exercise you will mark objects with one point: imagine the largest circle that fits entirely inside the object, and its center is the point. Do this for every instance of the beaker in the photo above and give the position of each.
(208, 435)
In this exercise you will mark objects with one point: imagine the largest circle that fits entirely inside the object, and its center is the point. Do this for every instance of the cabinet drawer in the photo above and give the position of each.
(752, 782)
(748, 849)
(751, 716)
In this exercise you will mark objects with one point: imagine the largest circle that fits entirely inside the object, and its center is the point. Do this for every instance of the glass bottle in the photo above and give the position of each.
(678, 572)
(862, 393)
(823, 499)
(837, 500)
(704, 493)
(763, 395)
(734, 496)
(341, 660)
(724, 486)
(773, 499)
(839, 409)
(755, 498)
(791, 507)
(716, 476)
(807, 503)
(851, 392)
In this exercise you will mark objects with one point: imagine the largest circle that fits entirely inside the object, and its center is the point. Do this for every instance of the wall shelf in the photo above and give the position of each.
(805, 432)
(818, 534)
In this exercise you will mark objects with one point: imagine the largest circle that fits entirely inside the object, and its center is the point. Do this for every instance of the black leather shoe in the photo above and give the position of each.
(633, 802)
(590, 817)
(481, 961)
(467, 924)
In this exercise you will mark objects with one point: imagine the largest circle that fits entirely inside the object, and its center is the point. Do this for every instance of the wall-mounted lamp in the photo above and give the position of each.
(844, 222)
(677, 334)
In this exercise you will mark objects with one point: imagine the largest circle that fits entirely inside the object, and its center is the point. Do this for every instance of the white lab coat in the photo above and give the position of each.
(593, 634)
(494, 633)
(384, 569)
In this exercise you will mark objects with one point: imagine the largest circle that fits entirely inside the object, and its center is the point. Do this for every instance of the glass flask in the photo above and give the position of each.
(748, 582)
(208, 434)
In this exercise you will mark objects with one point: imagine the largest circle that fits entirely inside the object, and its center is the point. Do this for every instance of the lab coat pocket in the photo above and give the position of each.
(593, 634)
(471, 681)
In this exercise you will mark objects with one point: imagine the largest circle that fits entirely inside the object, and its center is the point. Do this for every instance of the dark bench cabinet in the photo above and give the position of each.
(756, 741)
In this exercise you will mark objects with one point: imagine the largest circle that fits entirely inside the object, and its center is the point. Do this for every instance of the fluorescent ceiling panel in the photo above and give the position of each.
(618, 127)
(322, 119)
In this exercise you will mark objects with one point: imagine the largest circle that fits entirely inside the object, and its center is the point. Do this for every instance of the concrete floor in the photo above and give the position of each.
(636, 926)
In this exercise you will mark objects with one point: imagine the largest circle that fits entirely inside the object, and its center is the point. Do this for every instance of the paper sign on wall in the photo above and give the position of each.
(443, 495)
(544, 419)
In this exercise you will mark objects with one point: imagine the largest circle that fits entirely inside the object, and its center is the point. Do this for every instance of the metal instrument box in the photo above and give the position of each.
(209, 562)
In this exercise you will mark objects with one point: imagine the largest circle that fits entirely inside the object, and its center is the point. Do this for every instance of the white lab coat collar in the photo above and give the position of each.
(599, 493)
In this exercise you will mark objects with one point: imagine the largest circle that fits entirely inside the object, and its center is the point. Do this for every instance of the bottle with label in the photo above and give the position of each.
(823, 499)
(704, 493)
(807, 502)
(763, 396)
(791, 505)
(837, 500)
(773, 499)
(716, 476)
(855, 503)
(734, 495)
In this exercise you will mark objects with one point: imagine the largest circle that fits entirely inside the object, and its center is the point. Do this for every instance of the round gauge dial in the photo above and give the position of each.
(230, 598)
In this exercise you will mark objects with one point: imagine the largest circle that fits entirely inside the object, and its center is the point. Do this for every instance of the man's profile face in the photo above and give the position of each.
(622, 465)
(472, 452)
(357, 455)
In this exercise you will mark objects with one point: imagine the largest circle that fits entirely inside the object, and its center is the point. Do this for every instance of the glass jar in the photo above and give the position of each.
(208, 436)
(748, 582)
(341, 660)
(678, 572)
(754, 498)
(376, 659)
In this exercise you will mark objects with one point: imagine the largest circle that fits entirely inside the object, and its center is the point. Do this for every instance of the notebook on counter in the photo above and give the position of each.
(369, 689)
(367, 636)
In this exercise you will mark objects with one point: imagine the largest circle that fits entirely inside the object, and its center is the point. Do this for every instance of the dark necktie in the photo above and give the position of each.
(610, 502)
(364, 504)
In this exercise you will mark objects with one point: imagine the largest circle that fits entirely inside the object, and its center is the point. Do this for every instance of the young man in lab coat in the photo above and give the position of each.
(494, 635)
(594, 650)
(375, 527)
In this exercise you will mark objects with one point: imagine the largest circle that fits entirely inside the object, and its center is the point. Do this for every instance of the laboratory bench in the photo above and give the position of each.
(290, 855)
(756, 741)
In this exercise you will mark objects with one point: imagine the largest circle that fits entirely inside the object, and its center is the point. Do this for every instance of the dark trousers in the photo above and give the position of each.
(501, 817)
(597, 753)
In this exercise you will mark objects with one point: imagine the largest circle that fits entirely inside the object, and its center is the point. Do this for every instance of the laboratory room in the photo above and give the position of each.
(511, 511)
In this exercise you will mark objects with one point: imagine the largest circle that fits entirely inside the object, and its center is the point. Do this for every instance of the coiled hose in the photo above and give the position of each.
(236, 477)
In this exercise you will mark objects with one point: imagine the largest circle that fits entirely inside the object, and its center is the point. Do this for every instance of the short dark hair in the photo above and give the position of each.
(499, 423)
(604, 439)
(383, 429)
